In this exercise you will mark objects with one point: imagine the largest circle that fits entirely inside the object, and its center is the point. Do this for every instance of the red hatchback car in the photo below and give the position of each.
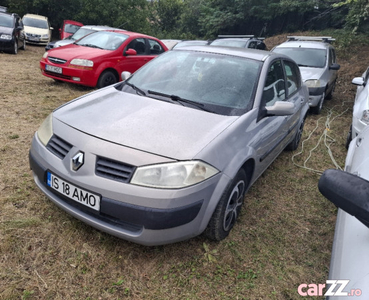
(98, 59)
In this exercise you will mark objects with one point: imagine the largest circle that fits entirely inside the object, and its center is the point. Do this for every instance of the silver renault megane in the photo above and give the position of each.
(170, 152)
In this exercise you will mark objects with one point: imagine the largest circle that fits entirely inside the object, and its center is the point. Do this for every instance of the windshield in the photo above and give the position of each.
(80, 33)
(71, 28)
(305, 57)
(220, 83)
(103, 39)
(229, 43)
(38, 23)
(6, 21)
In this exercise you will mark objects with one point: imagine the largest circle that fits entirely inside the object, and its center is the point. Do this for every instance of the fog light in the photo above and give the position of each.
(76, 78)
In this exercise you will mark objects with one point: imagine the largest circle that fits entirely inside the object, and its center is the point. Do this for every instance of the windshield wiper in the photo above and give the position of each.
(179, 99)
(138, 90)
(90, 45)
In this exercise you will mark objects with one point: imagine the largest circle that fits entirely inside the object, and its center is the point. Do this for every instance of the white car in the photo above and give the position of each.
(37, 29)
(349, 191)
(360, 117)
(316, 58)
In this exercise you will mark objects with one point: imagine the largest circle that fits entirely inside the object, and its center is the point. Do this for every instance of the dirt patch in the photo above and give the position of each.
(283, 238)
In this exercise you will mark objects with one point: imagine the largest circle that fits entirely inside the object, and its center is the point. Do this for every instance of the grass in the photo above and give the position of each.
(283, 237)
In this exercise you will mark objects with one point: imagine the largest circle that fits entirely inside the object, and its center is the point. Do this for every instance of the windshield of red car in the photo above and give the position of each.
(103, 39)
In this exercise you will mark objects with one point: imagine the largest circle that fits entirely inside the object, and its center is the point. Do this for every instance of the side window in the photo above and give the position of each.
(252, 45)
(138, 45)
(275, 86)
(293, 77)
(155, 47)
(331, 58)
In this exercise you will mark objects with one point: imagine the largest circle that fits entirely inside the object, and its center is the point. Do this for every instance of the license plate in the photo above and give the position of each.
(73, 192)
(32, 38)
(54, 69)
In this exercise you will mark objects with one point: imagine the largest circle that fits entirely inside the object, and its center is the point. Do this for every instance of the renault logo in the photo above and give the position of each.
(78, 160)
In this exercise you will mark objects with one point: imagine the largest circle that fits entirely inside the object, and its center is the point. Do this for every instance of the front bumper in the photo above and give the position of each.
(6, 45)
(85, 77)
(142, 215)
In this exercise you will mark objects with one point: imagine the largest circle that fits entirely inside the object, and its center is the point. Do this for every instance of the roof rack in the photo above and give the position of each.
(249, 36)
(325, 39)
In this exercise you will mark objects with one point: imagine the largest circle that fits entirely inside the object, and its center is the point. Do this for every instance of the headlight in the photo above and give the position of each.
(365, 117)
(313, 83)
(173, 175)
(45, 36)
(82, 62)
(6, 37)
(45, 131)
(45, 54)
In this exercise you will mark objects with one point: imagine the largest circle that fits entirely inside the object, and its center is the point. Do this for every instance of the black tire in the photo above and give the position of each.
(24, 45)
(349, 138)
(106, 78)
(330, 94)
(317, 109)
(228, 208)
(15, 47)
(296, 140)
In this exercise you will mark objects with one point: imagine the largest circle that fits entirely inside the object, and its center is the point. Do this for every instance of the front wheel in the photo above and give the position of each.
(15, 47)
(317, 109)
(228, 208)
(106, 78)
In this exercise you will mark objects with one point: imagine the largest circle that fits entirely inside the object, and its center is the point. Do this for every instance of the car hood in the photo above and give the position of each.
(35, 30)
(6, 30)
(311, 73)
(64, 42)
(142, 123)
(74, 51)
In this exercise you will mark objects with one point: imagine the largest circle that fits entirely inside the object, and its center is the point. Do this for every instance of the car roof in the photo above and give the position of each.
(33, 16)
(305, 44)
(259, 55)
(100, 27)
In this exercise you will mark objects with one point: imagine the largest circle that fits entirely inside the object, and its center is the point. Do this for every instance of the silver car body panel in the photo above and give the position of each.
(350, 259)
(360, 105)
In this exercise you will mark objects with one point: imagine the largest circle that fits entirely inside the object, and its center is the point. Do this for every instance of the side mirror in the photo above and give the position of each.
(348, 192)
(334, 66)
(281, 108)
(130, 51)
(125, 75)
(358, 81)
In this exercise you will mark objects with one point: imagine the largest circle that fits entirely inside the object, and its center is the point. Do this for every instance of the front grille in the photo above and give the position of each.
(114, 170)
(56, 60)
(33, 35)
(58, 146)
(57, 75)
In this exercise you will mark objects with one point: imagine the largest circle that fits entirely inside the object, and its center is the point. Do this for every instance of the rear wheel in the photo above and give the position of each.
(106, 78)
(349, 138)
(228, 208)
(24, 45)
(296, 140)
